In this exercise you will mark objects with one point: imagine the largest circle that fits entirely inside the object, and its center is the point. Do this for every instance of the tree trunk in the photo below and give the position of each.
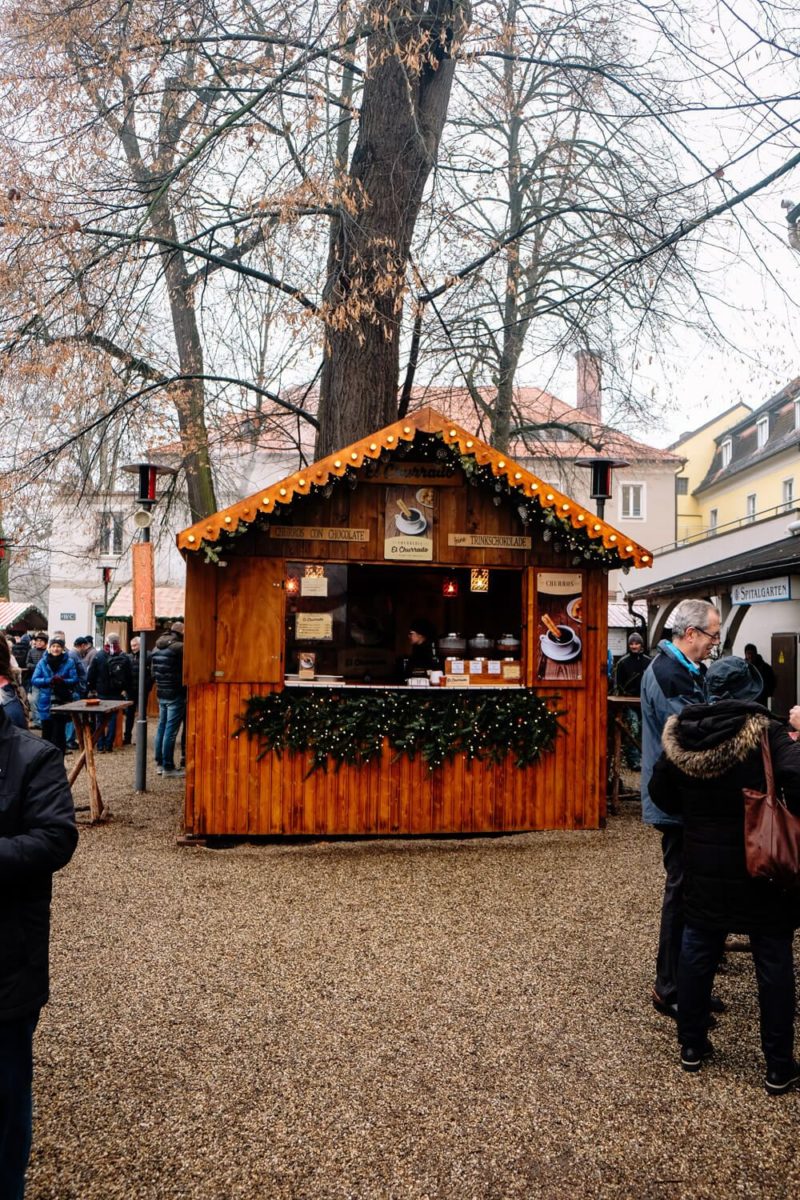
(403, 111)
(190, 398)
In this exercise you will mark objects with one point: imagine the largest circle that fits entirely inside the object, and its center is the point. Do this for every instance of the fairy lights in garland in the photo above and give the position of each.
(552, 526)
(350, 726)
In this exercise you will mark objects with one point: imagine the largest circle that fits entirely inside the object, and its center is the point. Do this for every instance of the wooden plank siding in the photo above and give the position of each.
(235, 617)
(231, 791)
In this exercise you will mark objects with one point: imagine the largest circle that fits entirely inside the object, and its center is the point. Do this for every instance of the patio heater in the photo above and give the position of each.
(147, 476)
(600, 488)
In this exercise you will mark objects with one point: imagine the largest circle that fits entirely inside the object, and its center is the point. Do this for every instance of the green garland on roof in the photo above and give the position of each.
(349, 725)
(547, 521)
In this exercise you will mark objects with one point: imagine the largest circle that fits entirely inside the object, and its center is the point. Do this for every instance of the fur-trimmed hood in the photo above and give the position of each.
(707, 740)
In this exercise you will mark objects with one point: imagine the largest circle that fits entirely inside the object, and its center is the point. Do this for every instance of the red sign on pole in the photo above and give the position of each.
(144, 587)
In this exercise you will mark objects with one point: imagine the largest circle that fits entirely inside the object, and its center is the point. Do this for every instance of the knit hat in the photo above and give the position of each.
(733, 678)
(635, 637)
(58, 642)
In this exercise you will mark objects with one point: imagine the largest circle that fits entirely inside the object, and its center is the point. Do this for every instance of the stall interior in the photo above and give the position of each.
(352, 623)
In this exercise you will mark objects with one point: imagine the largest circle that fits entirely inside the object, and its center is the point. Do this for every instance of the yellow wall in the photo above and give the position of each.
(698, 449)
(729, 497)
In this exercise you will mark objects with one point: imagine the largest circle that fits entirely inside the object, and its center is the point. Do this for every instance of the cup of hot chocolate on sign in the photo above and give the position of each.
(559, 642)
(410, 521)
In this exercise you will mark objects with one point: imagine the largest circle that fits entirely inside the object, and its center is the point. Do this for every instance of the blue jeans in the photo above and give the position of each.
(773, 960)
(170, 715)
(16, 1103)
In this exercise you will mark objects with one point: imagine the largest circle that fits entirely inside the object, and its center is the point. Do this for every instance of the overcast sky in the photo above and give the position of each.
(749, 274)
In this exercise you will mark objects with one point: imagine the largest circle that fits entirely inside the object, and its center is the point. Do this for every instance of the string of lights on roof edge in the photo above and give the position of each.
(268, 500)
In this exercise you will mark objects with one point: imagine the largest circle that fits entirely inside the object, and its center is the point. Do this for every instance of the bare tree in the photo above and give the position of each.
(196, 192)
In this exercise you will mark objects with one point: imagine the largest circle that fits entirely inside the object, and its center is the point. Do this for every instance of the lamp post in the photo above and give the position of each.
(106, 573)
(600, 489)
(147, 475)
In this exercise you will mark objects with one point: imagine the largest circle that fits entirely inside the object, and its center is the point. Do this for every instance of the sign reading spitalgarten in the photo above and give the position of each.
(762, 591)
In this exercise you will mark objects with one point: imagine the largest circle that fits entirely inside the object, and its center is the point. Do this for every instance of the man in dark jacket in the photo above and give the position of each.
(765, 671)
(166, 667)
(711, 752)
(37, 837)
(628, 682)
(36, 651)
(631, 668)
(674, 679)
(109, 677)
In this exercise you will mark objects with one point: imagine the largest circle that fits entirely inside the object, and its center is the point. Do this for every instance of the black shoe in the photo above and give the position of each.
(692, 1056)
(126, 741)
(671, 1009)
(665, 1007)
(72, 745)
(779, 1079)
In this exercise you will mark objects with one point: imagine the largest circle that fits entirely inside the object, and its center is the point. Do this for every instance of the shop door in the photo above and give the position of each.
(784, 664)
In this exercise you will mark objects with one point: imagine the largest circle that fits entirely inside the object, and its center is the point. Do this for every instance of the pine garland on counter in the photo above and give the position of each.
(349, 725)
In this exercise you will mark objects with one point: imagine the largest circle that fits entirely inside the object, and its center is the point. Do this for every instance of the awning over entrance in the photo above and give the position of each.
(713, 579)
(169, 604)
(717, 579)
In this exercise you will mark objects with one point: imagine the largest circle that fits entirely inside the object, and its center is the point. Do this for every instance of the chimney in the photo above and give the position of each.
(590, 384)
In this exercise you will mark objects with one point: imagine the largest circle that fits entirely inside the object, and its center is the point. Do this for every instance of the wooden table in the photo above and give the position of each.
(619, 729)
(88, 729)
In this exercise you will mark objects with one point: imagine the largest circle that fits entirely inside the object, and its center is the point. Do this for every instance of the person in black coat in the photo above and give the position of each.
(166, 668)
(37, 837)
(766, 672)
(631, 667)
(110, 677)
(712, 751)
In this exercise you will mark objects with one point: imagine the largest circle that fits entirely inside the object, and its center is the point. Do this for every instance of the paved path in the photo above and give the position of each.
(448, 1019)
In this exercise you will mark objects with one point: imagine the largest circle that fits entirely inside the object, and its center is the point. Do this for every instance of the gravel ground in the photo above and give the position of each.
(404, 1019)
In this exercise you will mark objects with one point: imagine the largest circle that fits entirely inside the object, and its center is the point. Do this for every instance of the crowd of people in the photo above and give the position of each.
(38, 674)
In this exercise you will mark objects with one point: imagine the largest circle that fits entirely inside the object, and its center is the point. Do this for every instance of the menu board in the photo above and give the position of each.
(313, 627)
(559, 602)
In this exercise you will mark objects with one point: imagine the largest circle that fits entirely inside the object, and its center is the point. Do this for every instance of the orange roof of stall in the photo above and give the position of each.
(268, 500)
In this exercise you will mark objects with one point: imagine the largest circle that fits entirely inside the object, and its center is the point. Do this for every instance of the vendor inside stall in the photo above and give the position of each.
(362, 623)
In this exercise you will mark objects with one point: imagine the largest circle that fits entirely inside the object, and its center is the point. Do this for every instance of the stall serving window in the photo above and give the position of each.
(351, 623)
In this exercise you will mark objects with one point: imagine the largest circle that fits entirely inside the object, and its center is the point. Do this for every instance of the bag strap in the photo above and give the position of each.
(766, 754)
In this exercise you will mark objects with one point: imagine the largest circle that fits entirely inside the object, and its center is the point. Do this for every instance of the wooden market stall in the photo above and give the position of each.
(306, 714)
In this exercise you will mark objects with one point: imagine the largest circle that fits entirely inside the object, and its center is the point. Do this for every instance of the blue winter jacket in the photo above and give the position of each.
(43, 676)
(668, 685)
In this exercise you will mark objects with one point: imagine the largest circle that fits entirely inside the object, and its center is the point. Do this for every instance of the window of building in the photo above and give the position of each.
(787, 493)
(797, 414)
(713, 517)
(632, 501)
(726, 450)
(762, 431)
(750, 507)
(111, 527)
(681, 485)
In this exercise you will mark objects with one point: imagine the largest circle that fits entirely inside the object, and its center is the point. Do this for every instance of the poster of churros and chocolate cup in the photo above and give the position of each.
(559, 607)
(409, 524)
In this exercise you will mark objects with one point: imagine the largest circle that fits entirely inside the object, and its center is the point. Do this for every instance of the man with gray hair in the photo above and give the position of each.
(675, 678)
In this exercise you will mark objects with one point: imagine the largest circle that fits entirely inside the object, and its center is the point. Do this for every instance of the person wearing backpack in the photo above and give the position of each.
(166, 668)
(110, 678)
(711, 752)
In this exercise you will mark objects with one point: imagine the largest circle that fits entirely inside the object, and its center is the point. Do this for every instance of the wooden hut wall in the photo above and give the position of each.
(235, 629)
